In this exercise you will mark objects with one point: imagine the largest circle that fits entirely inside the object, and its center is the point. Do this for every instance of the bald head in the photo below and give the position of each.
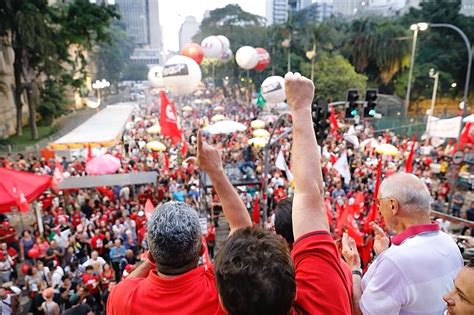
(410, 192)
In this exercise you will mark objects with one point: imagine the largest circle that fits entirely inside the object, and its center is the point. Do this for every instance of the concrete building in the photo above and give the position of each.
(467, 7)
(188, 29)
(142, 21)
(317, 12)
(7, 85)
(276, 11)
(387, 7)
(146, 56)
(347, 7)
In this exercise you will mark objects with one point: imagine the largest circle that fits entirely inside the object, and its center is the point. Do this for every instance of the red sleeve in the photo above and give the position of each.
(118, 302)
(321, 284)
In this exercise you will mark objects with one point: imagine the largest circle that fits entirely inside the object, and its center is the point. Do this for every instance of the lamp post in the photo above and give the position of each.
(415, 28)
(99, 85)
(434, 75)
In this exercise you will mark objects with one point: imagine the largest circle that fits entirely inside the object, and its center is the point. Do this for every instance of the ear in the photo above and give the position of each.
(150, 258)
(395, 206)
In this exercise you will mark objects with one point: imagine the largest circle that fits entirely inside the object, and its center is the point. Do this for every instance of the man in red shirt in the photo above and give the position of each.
(91, 280)
(170, 281)
(255, 273)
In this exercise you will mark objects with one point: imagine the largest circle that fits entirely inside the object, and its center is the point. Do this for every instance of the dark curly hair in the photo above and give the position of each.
(255, 274)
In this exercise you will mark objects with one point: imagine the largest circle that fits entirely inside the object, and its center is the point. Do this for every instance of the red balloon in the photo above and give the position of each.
(193, 51)
(24, 268)
(263, 59)
(33, 253)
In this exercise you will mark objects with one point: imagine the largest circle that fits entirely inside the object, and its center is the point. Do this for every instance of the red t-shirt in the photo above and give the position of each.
(92, 282)
(194, 292)
(321, 281)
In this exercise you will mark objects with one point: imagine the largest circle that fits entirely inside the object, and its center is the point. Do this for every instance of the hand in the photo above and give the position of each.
(208, 158)
(299, 91)
(350, 253)
(381, 241)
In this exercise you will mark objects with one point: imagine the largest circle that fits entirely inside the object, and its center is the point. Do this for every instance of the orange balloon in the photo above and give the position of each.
(193, 51)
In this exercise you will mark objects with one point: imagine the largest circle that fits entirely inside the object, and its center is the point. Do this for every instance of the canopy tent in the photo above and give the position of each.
(137, 178)
(104, 129)
(15, 184)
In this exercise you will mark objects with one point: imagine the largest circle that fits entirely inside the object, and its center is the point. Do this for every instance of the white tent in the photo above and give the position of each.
(103, 129)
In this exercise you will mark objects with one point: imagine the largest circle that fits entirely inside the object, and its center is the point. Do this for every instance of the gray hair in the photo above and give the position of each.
(174, 238)
(411, 193)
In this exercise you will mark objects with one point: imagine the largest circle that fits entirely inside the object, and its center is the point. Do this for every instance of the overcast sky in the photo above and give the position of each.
(173, 13)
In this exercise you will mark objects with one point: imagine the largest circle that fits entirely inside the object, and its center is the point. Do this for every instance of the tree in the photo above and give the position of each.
(135, 72)
(43, 38)
(113, 57)
(334, 76)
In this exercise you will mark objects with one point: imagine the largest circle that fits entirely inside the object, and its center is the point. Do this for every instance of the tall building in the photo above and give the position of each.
(142, 21)
(276, 11)
(347, 7)
(7, 84)
(188, 29)
(387, 7)
(467, 7)
(317, 12)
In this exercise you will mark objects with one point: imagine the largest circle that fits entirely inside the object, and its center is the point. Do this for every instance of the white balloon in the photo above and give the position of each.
(181, 75)
(225, 42)
(212, 47)
(246, 57)
(273, 89)
(226, 56)
(155, 76)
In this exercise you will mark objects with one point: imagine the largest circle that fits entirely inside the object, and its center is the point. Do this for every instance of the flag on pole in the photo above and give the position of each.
(342, 166)
(333, 120)
(169, 119)
(281, 164)
(351, 136)
(467, 135)
(409, 162)
(373, 212)
(256, 211)
(353, 230)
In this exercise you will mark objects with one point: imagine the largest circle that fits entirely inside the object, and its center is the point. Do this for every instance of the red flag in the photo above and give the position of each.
(333, 120)
(353, 230)
(373, 212)
(169, 119)
(467, 135)
(359, 201)
(256, 211)
(342, 218)
(409, 162)
(89, 153)
(184, 149)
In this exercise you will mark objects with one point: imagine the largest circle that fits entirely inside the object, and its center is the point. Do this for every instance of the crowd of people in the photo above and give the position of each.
(95, 240)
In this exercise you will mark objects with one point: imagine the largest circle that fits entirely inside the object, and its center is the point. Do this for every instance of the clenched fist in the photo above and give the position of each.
(208, 157)
(299, 91)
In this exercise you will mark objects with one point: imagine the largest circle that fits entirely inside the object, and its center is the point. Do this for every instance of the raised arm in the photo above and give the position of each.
(308, 203)
(210, 161)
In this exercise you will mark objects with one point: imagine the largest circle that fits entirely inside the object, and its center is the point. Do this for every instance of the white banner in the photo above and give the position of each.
(444, 128)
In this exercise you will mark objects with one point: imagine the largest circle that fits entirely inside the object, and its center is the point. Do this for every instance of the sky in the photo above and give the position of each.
(173, 13)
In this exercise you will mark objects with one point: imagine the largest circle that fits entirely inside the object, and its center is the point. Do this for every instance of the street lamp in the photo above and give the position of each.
(99, 85)
(434, 75)
(415, 28)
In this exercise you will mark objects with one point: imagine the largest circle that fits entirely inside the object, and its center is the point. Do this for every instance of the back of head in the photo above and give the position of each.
(255, 273)
(411, 193)
(174, 237)
(283, 220)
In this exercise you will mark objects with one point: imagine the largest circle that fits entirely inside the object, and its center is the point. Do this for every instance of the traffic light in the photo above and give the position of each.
(370, 103)
(320, 124)
(351, 107)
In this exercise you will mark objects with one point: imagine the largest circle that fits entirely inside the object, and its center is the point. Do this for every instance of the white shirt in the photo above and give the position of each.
(6, 305)
(411, 278)
(97, 264)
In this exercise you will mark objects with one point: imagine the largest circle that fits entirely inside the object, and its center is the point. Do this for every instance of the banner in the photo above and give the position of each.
(443, 128)
(342, 166)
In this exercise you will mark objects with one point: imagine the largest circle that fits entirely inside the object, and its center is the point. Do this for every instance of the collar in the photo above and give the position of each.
(414, 230)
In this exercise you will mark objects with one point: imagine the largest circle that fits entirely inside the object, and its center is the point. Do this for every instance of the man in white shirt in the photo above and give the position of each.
(95, 261)
(414, 269)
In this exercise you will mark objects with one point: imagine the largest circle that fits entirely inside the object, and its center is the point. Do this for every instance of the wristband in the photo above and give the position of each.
(357, 272)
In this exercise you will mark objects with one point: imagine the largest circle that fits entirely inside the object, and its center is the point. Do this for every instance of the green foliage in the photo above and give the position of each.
(53, 100)
(334, 75)
(113, 58)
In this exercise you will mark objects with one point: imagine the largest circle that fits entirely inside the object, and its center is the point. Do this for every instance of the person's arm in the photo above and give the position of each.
(352, 258)
(209, 161)
(308, 204)
(142, 270)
